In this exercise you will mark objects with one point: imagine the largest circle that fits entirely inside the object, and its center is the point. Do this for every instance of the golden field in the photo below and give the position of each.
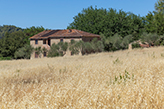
(110, 80)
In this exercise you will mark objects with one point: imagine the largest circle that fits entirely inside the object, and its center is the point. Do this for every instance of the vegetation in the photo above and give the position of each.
(8, 29)
(24, 52)
(86, 47)
(15, 41)
(58, 49)
(121, 79)
(120, 28)
(10, 43)
(108, 22)
(117, 28)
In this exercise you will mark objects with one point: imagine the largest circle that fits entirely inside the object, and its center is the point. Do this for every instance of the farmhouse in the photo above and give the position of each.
(46, 38)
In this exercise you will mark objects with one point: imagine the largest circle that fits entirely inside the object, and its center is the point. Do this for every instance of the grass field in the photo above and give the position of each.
(123, 79)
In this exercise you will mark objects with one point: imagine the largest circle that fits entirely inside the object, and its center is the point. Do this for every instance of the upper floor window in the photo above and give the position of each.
(36, 41)
(61, 40)
(44, 41)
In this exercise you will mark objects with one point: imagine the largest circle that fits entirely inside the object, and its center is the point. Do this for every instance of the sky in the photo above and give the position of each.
(58, 14)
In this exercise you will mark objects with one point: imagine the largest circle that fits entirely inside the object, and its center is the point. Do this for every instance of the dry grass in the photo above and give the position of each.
(123, 79)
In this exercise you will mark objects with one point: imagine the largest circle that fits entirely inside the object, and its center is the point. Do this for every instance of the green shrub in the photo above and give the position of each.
(58, 49)
(136, 45)
(5, 58)
(125, 42)
(24, 52)
(149, 38)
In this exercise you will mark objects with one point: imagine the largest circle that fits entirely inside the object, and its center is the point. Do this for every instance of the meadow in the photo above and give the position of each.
(129, 79)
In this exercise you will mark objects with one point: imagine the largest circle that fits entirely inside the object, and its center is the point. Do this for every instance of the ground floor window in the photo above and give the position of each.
(36, 55)
(45, 54)
(44, 41)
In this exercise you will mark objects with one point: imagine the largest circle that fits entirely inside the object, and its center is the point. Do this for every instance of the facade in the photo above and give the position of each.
(46, 38)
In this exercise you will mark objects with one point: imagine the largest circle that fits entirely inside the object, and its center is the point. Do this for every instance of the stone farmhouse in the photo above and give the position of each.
(46, 38)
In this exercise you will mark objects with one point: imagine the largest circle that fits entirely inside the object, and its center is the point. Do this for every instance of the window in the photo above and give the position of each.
(45, 54)
(36, 55)
(61, 40)
(49, 42)
(44, 41)
(36, 41)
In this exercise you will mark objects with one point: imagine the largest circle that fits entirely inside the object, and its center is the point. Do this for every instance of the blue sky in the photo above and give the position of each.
(55, 14)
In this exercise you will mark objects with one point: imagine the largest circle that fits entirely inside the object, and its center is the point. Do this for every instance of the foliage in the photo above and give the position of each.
(136, 45)
(116, 42)
(86, 47)
(32, 31)
(97, 45)
(108, 22)
(154, 23)
(123, 78)
(38, 51)
(149, 38)
(10, 43)
(159, 41)
(58, 49)
(159, 6)
(125, 42)
(5, 58)
(24, 52)
(150, 25)
(8, 29)
(76, 47)
(159, 23)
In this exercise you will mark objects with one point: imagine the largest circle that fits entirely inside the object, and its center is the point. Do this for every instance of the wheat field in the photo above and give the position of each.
(110, 80)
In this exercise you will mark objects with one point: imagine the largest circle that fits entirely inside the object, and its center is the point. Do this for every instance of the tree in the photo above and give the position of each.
(125, 42)
(149, 38)
(58, 49)
(150, 24)
(8, 29)
(10, 43)
(29, 32)
(38, 51)
(159, 23)
(109, 22)
(76, 47)
(24, 52)
(159, 6)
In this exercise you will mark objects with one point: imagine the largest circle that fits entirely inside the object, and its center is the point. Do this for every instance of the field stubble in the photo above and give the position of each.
(122, 79)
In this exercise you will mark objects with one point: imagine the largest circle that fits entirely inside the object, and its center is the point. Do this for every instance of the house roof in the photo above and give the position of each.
(62, 33)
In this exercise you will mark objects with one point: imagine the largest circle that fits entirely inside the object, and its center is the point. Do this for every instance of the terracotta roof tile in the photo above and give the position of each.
(63, 33)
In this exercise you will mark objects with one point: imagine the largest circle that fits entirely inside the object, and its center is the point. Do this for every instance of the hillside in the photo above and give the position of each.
(122, 79)
(9, 29)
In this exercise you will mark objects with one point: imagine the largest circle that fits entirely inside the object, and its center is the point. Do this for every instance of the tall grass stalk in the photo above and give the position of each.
(85, 81)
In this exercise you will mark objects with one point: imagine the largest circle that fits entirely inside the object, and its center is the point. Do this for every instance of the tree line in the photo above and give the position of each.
(14, 38)
(117, 30)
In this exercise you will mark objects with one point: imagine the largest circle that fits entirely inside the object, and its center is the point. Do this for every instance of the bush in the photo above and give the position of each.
(86, 47)
(149, 38)
(136, 45)
(76, 47)
(159, 41)
(115, 42)
(5, 58)
(24, 52)
(125, 42)
(58, 49)
(97, 46)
